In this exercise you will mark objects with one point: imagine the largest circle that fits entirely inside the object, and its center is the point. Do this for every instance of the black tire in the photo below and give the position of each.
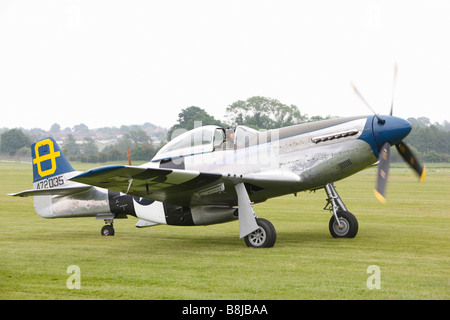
(264, 237)
(349, 225)
(107, 230)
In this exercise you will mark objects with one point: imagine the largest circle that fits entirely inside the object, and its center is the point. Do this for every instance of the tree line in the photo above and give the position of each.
(260, 113)
(137, 141)
(79, 146)
(429, 141)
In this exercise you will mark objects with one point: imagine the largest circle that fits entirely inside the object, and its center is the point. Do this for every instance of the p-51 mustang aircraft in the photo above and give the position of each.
(202, 177)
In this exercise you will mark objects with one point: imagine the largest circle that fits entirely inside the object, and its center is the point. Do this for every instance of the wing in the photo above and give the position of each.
(186, 187)
(166, 185)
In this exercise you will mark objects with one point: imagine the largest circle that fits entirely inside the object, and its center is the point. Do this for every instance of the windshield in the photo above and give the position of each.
(244, 135)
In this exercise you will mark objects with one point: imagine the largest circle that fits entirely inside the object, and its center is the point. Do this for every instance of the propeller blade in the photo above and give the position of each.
(393, 89)
(411, 159)
(366, 103)
(383, 170)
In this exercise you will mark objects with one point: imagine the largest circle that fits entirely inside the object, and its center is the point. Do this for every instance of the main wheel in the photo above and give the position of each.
(348, 228)
(264, 237)
(107, 230)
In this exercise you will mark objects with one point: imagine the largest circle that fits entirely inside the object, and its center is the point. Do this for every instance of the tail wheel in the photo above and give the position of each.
(264, 237)
(348, 225)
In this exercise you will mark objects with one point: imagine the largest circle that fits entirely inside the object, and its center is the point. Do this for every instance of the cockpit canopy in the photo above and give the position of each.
(205, 139)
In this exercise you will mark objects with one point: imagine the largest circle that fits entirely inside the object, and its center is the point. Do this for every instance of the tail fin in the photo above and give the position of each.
(50, 172)
(48, 160)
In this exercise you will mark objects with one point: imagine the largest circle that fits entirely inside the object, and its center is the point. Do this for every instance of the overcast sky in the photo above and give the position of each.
(108, 63)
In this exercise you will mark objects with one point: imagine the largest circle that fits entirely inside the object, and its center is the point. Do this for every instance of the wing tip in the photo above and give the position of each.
(18, 194)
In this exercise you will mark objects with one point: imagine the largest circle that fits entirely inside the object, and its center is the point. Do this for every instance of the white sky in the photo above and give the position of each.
(108, 63)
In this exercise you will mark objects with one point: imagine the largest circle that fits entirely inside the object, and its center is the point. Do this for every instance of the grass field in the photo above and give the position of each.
(408, 239)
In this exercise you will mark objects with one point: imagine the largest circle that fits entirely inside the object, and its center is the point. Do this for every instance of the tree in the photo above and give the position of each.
(420, 122)
(102, 157)
(55, 128)
(113, 154)
(143, 152)
(187, 118)
(263, 113)
(446, 125)
(139, 143)
(13, 140)
(89, 147)
(320, 118)
(70, 146)
(137, 138)
(428, 141)
(81, 130)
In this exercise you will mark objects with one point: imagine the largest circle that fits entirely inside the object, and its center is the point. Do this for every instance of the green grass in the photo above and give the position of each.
(408, 238)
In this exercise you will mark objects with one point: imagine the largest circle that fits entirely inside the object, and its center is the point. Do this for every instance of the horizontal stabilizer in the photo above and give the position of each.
(52, 192)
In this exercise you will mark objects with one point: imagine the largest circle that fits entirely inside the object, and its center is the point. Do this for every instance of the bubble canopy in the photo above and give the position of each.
(203, 140)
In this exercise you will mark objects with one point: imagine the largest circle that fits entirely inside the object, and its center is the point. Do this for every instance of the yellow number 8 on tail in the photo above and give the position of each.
(52, 155)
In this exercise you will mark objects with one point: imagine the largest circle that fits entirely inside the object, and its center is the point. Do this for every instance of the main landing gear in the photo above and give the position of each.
(343, 224)
(264, 237)
(257, 232)
(108, 230)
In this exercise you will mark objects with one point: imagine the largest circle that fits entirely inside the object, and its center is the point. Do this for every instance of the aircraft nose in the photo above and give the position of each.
(393, 130)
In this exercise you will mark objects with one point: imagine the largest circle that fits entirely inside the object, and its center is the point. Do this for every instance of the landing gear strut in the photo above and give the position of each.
(108, 230)
(343, 224)
(257, 232)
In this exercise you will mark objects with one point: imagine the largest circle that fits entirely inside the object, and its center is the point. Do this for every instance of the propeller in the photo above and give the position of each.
(383, 171)
(366, 103)
(393, 88)
(385, 151)
(409, 157)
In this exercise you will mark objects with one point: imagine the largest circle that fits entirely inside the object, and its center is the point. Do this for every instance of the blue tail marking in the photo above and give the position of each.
(48, 160)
